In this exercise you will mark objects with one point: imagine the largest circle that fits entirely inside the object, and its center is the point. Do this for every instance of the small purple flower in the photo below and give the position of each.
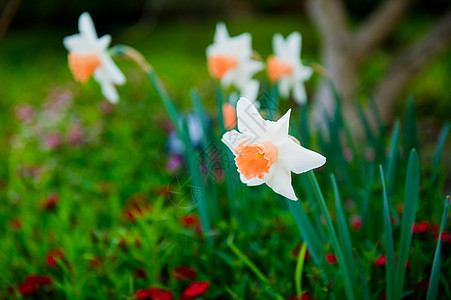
(53, 141)
(174, 163)
(105, 107)
(25, 113)
(75, 134)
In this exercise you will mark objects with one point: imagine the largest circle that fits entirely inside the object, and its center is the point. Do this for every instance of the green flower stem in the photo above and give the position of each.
(299, 269)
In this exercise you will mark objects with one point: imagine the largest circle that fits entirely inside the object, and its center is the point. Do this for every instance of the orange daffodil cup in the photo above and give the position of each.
(266, 153)
(88, 56)
(286, 68)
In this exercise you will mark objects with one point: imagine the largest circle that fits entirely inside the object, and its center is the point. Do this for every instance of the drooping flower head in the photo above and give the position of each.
(230, 59)
(88, 56)
(265, 153)
(286, 68)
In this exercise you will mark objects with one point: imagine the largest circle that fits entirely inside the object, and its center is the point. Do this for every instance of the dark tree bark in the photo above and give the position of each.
(345, 50)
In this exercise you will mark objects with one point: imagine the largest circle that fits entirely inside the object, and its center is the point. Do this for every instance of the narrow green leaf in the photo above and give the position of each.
(308, 232)
(390, 272)
(438, 152)
(334, 239)
(392, 161)
(410, 128)
(435, 272)
(363, 283)
(343, 234)
(365, 123)
(409, 213)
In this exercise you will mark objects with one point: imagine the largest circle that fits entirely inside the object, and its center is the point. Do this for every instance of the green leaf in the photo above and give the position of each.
(343, 234)
(393, 159)
(409, 213)
(438, 152)
(410, 128)
(334, 239)
(435, 273)
(390, 272)
(308, 231)
(363, 283)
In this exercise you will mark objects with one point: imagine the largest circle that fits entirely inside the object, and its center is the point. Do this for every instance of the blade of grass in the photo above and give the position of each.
(438, 152)
(250, 265)
(409, 213)
(299, 268)
(334, 239)
(343, 234)
(435, 272)
(389, 248)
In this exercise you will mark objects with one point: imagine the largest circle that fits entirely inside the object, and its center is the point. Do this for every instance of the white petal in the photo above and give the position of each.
(278, 131)
(108, 89)
(251, 182)
(294, 44)
(284, 87)
(232, 139)
(250, 122)
(110, 93)
(228, 78)
(104, 42)
(279, 179)
(297, 158)
(278, 44)
(250, 91)
(76, 43)
(221, 34)
(86, 26)
(299, 94)
(111, 70)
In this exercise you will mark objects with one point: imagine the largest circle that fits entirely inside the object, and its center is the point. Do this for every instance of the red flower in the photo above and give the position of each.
(423, 285)
(304, 296)
(356, 222)
(33, 282)
(53, 256)
(51, 201)
(435, 229)
(15, 224)
(154, 294)
(408, 265)
(190, 220)
(140, 273)
(421, 227)
(381, 261)
(184, 273)
(446, 237)
(196, 289)
(331, 259)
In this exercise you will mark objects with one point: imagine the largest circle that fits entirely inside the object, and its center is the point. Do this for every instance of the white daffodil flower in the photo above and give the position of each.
(286, 67)
(265, 153)
(88, 55)
(230, 59)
